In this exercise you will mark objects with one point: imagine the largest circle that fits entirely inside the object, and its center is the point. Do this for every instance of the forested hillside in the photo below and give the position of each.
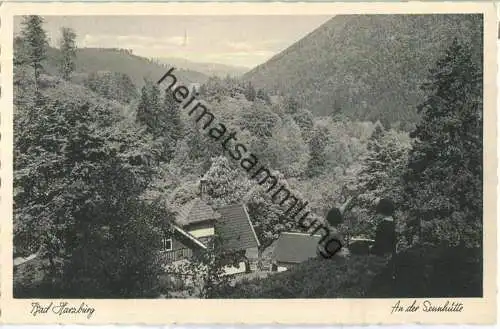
(368, 67)
(92, 60)
(436, 184)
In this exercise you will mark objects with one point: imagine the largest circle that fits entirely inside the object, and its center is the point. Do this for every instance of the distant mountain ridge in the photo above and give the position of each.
(90, 60)
(209, 69)
(368, 67)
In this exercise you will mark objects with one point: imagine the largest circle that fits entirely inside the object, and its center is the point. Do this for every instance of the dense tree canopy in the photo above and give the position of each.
(225, 185)
(80, 170)
(443, 182)
(112, 85)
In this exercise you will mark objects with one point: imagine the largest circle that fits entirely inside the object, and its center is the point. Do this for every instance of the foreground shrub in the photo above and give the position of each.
(423, 271)
(318, 278)
(427, 271)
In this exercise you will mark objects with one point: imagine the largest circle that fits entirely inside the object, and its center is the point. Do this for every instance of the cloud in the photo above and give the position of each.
(129, 41)
(243, 58)
(177, 41)
(240, 46)
(261, 45)
(199, 50)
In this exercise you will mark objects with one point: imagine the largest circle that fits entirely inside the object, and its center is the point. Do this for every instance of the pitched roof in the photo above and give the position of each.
(235, 228)
(295, 247)
(195, 211)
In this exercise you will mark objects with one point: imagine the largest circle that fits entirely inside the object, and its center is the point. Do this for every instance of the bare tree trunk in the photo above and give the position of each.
(36, 80)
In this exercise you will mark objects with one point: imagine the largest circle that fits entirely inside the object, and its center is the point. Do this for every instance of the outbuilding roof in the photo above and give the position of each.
(294, 247)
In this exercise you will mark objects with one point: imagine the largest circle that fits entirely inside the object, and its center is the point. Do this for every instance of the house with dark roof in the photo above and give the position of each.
(294, 248)
(236, 230)
(197, 224)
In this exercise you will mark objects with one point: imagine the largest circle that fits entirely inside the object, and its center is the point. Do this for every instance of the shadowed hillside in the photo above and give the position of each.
(433, 272)
(366, 66)
(90, 60)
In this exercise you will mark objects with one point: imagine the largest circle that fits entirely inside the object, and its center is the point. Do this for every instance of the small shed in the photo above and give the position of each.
(294, 248)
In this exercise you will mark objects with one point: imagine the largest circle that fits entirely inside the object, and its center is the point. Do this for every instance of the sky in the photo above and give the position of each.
(233, 40)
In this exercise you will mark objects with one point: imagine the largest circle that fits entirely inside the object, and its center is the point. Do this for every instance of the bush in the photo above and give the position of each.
(423, 271)
(427, 271)
(337, 277)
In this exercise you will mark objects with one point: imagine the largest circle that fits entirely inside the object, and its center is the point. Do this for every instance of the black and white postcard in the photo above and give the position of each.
(248, 163)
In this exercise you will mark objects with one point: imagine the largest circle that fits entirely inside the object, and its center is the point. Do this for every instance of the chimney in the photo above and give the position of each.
(203, 187)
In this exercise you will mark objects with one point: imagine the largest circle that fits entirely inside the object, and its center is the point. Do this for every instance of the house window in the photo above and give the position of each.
(167, 244)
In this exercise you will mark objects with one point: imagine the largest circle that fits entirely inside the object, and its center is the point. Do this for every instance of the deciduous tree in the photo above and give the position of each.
(224, 184)
(79, 172)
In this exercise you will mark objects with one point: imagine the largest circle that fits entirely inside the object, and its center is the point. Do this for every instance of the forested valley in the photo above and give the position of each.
(103, 161)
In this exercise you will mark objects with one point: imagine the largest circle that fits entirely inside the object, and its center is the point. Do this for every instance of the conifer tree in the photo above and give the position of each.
(317, 145)
(68, 52)
(305, 120)
(443, 191)
(336, 110)
(291, 105)
(250, 92)
(195, 142)
(172, 117)
(380, 175)
(149, 107)
(261, 94)
(369, 177)
(152, 114)
(35, 45)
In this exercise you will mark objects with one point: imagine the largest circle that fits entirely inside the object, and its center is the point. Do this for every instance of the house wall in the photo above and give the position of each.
(252, 253)
(179, 251)
(176, 244)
